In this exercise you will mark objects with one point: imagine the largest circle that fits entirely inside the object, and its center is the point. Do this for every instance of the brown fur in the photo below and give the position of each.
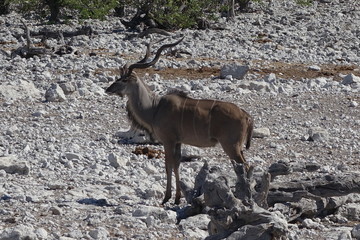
(176, 119)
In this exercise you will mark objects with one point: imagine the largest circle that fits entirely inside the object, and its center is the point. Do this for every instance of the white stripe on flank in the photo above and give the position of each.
(210, 117)
(194, 117)
(182, 118)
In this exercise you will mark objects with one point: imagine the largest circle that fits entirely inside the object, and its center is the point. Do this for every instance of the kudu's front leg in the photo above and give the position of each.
(168, 169)
(172, 163)
(177, 158)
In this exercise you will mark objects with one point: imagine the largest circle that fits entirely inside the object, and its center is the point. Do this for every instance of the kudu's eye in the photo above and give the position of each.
(123, 79)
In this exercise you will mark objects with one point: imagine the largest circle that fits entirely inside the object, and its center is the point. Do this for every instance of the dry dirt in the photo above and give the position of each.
(296, 71)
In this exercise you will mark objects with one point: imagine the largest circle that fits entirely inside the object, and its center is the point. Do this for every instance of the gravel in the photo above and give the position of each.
(67, 172)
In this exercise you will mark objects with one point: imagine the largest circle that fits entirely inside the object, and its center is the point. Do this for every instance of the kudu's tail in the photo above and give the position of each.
(249, 132)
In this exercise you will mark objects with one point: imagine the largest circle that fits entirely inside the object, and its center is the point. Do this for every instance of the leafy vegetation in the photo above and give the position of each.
(166, 14)
(304, 2)
(52, 8)
(4, 7)
(92, 8)
(182, 14)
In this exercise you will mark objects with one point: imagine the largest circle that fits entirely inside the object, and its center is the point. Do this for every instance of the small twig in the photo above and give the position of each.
(153, 30)
(28, 39)
(5, 53)
(61, 38)
(44, 42)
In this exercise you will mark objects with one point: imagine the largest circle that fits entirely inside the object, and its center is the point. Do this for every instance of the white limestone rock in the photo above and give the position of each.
(72, 156)
(11, 164)
(117, 161)
(351, 211)
(18, 232)
(235, 70)
(55, 94)
(99, 233)
(68, 87)
(308, 223)
(19, 90)
(344, 235)
(318, 134)
(96, 90)
(262, 132)
(350, 79)
(39, 113)
(157, 212)
(150, 168)
(315, 68)
(353, 104)
(197, 222)
(55, 210)
(133, 135)
(255, 86)
(355, 232)
(42, 234)
(2, 173)
(271, 78)
(156, 191)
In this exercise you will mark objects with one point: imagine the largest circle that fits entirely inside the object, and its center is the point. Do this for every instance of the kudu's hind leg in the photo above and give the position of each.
(234, 151)
(172, 163)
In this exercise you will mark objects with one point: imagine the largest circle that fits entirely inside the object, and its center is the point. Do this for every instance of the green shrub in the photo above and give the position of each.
(4, 7)
(178, 14)
(173, 14)
(168, 14)
(304, 2)
(92, 8)
(52, 8)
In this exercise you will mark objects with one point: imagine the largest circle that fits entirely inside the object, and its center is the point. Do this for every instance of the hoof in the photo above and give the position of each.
(165, 201)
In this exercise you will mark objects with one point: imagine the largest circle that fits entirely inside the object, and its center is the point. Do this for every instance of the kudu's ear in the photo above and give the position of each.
(124, 70)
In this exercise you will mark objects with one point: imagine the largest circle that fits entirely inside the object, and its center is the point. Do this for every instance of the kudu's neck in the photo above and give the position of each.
(142, 103)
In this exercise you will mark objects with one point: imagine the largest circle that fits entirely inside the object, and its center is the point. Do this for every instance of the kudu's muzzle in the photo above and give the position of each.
(108, 91)
(112, 91)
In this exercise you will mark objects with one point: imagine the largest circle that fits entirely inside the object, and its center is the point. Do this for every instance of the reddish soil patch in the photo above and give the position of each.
(296, 71)
(187, 73)
(170, 73)
(299, 71)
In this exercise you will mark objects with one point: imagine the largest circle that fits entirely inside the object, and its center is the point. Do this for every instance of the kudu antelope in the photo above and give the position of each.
(176, 119)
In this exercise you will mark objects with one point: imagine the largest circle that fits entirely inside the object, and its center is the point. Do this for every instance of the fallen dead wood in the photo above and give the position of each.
(233, 214)
(251, 206)
(49, 33)
(321, 186)
(285, 168)
(152, 31)
(327, 185)
(29, 50)
(147, 32)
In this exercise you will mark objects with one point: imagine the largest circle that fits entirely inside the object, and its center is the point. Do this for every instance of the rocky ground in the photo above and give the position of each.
(67, 172)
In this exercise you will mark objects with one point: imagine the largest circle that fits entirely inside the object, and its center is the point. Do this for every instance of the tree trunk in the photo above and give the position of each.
(4, 7)
(231, 11)
(243, 4)
(120, 9)
(54, 6)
